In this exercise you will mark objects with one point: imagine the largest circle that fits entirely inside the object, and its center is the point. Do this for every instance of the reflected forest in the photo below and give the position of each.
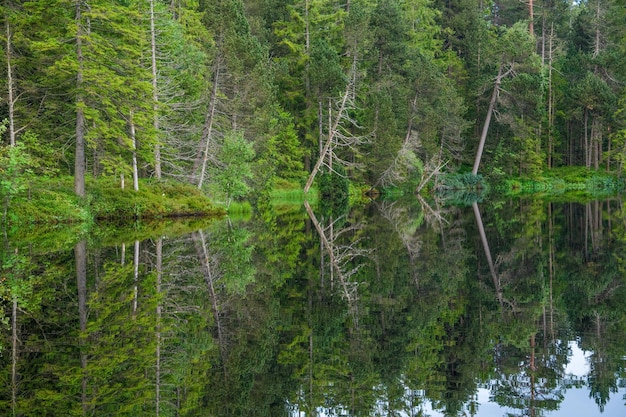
(384, 310)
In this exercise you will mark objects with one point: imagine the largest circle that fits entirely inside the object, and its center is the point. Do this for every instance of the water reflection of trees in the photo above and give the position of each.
(236, 319)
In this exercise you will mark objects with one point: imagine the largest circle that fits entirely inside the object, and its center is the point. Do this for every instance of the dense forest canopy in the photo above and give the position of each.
(202, 90)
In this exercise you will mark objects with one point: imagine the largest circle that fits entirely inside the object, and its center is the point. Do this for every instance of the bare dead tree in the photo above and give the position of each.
(340, 136)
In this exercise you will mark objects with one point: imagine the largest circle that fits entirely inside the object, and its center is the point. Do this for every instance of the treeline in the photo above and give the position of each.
(232, 94)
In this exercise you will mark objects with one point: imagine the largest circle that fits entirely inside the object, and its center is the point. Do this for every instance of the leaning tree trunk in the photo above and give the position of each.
(483, 135)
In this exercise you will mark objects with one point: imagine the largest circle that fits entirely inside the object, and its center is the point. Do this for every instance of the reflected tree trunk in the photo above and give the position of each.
(492, 269)
(80, 254)
(14, 355)
(210, 277)
(136, 278)
(159, 313)
(340, 258)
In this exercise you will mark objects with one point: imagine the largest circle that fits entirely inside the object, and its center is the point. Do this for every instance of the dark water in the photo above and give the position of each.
(406, 308)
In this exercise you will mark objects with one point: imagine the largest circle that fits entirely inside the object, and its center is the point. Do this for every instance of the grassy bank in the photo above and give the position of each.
(52, 201)
(564, 180)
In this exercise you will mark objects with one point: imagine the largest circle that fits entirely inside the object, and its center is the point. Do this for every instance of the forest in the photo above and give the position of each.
(232, 96)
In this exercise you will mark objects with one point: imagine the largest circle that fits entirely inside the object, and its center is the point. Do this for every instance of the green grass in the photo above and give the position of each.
(290, 193)
(52, 201)
(566, 180)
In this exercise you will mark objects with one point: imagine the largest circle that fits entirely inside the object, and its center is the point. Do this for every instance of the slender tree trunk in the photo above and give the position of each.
(597, 46)
(10, 84)
(207, 131)
(596, 141)
(531, 25)
(320, 125)
(155, 94)
(133, 138)
(79, 156)
(550, 100)
(586, 140)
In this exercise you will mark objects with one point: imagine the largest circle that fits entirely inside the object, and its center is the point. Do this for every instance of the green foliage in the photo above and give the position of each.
(334, 191)
(235, 168)
(52, 201)
(15, 172)
(153, 200)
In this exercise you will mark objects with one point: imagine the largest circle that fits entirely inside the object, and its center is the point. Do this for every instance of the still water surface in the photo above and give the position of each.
(405, 308)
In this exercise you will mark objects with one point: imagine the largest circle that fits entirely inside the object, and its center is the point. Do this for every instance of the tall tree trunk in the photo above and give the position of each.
(155, 95)
(10, 84)
(79, 155)
(550, 99)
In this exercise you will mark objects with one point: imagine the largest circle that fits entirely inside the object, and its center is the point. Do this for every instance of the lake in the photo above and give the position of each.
(397, 308)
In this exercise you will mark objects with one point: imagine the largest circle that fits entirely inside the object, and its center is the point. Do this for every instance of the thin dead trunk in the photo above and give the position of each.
(337, 132)
(207, 131)
(329, 142)
(133, 138)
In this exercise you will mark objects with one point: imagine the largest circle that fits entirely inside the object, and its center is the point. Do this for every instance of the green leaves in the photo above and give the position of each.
(235, 170)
